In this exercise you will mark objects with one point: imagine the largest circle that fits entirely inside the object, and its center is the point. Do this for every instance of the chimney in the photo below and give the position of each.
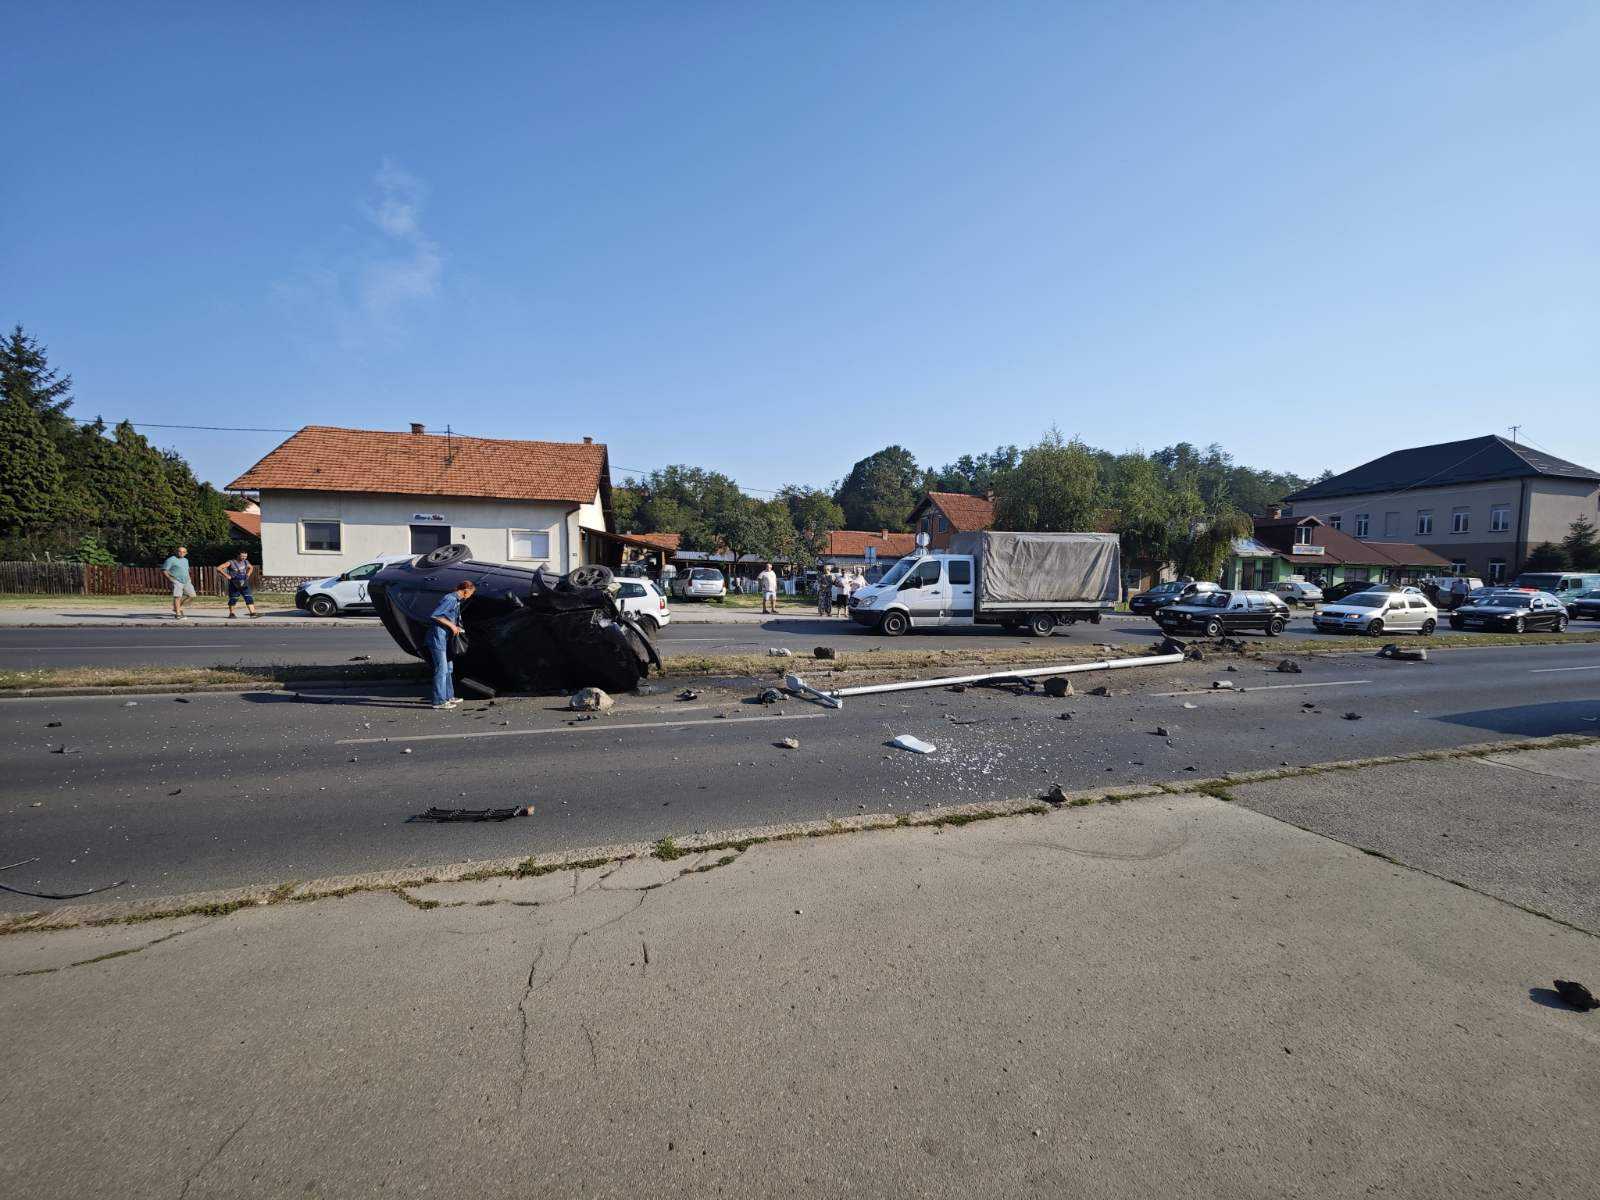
(418, 427)
(1276, 511)
(588, 441)
(883, 533)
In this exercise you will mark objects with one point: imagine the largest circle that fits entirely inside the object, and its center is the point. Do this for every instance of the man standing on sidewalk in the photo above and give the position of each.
(445, 622)
(176, 569)
(237, 572)
(768, 580)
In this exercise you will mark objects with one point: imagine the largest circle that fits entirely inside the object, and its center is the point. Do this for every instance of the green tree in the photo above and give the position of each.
(31, 492)
(90, 551)
(1547, 556)
(1054, 488)
(813, 513)
(1202, 538)
(1581, 546)
(972, 474)
(27, 376)
(881, 490)
(1143, 510)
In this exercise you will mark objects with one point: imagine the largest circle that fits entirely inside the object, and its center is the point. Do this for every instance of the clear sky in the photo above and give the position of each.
(770, 239)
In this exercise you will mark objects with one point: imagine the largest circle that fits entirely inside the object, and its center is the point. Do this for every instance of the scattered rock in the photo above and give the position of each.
(590, 699)
(1575, 994)
(825, 652)
(1308, 704)
(1190, 704)
(407, 750)
(645, 689)
(37, 804)
(770, 696)
(958, 687)
(688, 694)
(361, 658)
(780, 652)
(1352, 716)
(1064, 716)
(1161, 731)
(175, 792)
(1056, 795)
(1288, 666)
(130, 704)
(1058, 687)
(52, 724)
(1195, 654)
(906, 742)
(1231, 667)
(1102, 690)
(788, 743)
(1222, 685)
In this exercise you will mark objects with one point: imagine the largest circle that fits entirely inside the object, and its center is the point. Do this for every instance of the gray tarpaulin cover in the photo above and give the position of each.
(1043, 568)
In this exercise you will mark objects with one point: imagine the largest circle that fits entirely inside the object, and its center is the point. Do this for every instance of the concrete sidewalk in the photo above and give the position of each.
(114, 615)
(1170, 996)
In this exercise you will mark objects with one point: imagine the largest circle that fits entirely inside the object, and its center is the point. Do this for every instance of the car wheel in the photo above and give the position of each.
(894, 624)
(1519, 626)
(1041, 624)
(651, 625)
(444, 556)
(1094, 618)
(1275, 627)
(1429, 626)
(1375, 628)
(1456, 624)
(1561, 624)
(323, 606)
(1213, 628)
(592, 575)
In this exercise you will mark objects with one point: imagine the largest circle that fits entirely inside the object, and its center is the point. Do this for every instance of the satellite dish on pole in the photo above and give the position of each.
(922, 540)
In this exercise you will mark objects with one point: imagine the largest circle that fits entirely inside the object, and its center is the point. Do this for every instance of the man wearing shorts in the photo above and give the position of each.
(768, 580)
(176, 569)
(237, 571)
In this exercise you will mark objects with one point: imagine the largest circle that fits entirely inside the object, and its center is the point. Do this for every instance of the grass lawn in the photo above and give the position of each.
(18, 600)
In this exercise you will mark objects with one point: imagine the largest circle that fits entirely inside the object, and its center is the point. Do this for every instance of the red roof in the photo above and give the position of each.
(853, 543)
(967, 514)
(660, 541)
(1340, 547)
(322, 458)
(246, 522)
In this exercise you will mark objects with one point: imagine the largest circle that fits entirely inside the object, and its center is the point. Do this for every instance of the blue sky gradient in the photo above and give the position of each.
(770, 239)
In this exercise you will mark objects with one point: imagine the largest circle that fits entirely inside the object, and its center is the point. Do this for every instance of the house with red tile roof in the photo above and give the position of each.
(332, 498)
(863, 548)
(939, 514)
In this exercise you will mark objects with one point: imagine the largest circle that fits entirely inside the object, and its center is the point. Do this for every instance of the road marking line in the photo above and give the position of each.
(1552, 670)
(133, 648)
(586, 727)
(1268, 687)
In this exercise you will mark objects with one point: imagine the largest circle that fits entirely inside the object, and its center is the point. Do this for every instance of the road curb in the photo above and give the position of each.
(225, 901)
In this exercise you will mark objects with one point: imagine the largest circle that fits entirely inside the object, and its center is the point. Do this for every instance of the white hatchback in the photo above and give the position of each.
(705, 583)
(1378, 613)
(643, 601)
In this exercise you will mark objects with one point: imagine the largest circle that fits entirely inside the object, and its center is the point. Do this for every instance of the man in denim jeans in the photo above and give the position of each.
(446, 620)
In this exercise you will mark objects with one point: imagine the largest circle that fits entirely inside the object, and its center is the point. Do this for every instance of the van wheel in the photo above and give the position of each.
(323, 606)
(1041, 624)
(894, 624)
(1213, 628)
(1275, 627)
(1429, 626)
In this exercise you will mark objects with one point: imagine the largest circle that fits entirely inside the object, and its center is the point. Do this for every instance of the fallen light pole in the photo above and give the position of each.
(835, 699)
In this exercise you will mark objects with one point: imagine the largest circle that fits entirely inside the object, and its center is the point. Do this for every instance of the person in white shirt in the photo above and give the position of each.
(768, 579)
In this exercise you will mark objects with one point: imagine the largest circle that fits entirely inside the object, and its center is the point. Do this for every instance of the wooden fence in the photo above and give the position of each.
(80, 579)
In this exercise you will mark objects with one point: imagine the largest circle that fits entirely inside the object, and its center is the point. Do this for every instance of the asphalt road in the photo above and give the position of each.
(230, 789)
(338, 641)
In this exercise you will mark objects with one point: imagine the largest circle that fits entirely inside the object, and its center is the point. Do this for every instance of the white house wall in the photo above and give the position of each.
(372, 525)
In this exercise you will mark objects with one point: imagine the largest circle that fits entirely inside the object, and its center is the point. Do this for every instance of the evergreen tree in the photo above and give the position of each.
(30, 471)
(881, 490)
(26, 376)
(1581, 545)
(1546, 556)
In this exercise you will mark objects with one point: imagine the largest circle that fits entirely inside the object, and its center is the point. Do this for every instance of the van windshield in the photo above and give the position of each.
(1544, 582)
(898, 572)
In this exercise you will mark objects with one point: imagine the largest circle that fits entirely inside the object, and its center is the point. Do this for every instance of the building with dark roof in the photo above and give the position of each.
(1481, 504)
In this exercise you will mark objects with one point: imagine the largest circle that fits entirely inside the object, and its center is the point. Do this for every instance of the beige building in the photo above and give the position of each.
(1482, 503)
(334, 498)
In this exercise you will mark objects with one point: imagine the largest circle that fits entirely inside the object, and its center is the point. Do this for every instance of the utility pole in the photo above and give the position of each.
(1515, 429)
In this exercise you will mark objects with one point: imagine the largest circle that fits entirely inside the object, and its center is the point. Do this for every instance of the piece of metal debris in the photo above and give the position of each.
(1288, 666)
(915, 744)
(1222, 685)
(1190, 704)
(473, 814)
(130, 704)
(788, 743)
(1352, 716)
(688, 694)
(1575, 994)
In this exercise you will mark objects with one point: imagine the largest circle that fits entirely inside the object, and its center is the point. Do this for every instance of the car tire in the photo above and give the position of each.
(1042, 624)
(590, 575)
(1561, 624)
(443, 556)
(1275, 626)
(894, 624)
(323, 606)
(1456, 624)
(1519, 626)
(1375, 628)
(1429, 626)
(651, 625)
(1213, 628)
(1094, 618)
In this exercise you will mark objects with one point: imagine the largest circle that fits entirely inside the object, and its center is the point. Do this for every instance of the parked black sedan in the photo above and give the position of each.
(1353, 587)
(1511, 611)
(1216, 613)
(1146, 604)
(1585, 606)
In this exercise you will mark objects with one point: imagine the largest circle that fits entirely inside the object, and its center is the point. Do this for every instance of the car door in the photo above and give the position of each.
(1544, 614)
(924, 593)
(351, 590)
(1237, 615)
(958, 579)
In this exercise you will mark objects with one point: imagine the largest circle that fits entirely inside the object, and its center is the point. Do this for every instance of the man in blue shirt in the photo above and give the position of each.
(446, 620)
(176, 569)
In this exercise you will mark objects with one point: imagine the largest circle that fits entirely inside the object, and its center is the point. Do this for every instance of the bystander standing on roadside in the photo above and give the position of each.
(238, 571)
(444, 623)
(825, 592)
(768, 579)
(176, 569)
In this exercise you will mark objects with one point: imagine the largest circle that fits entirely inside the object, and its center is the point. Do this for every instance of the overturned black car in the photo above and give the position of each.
(527, 630)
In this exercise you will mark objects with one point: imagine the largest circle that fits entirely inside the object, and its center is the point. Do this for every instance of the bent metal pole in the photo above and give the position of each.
(836, 698)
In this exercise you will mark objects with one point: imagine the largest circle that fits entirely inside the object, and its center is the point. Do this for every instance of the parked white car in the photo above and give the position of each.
(1377, 613)
(343, 593)
(1297, 591)
(642, 600)
(705, 583)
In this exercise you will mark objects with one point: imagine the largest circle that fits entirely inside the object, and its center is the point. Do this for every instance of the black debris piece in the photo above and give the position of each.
(770, 696)
(825, 652)
(175, 792)
(52, 724)
(1058, 687)
(360, 657)
(688, 694)
(958, 687)
(1063, 716)
(473, 814)
(1102, 690)
(1352, 716)
(1575, 994)
(1288, 666)
(1161, 731)
(1057, 795)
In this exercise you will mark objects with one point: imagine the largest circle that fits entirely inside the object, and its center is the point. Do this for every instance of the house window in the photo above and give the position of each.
(1336, 521)
(1357, 574)
(1424, 521)
(1391, 524)
(1497, 570)
(1302, 535)
(530, 543)
(1458, 566)
(1461, 520)
(429, 537)
(1363, 524)
(944, 525)
(1500, 518)
(321, 537)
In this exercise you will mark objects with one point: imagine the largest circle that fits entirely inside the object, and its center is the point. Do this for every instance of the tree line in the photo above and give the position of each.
(90, 492)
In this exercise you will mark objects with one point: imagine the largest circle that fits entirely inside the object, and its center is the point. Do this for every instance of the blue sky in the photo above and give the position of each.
(772, 239)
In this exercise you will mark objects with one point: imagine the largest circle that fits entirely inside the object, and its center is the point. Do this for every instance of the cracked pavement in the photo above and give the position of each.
(1175, 995)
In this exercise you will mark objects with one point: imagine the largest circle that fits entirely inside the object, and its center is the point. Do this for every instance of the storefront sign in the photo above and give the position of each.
(427, 516)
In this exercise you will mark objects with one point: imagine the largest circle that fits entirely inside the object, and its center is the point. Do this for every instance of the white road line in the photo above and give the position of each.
(587, 727)
(1268, 687)
(1552, 670)
(85, 646)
